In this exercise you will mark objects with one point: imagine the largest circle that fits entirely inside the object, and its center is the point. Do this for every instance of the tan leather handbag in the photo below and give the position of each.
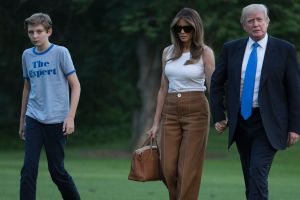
(145, 163)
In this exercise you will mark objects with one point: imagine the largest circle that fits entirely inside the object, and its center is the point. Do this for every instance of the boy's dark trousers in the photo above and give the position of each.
(51, 136)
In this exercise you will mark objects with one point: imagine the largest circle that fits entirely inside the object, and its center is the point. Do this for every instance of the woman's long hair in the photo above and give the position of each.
(197, 43)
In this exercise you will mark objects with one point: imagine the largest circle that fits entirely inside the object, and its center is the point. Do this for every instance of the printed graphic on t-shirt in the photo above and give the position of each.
(41, 68)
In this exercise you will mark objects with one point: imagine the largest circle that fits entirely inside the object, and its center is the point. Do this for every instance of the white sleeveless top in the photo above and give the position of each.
(183, 78)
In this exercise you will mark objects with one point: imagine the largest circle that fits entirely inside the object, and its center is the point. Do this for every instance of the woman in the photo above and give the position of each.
(187, 64)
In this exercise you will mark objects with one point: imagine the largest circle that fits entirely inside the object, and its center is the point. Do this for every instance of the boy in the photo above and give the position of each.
(46, 116)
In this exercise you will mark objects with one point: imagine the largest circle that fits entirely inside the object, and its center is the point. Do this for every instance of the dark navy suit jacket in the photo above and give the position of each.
(279, 89)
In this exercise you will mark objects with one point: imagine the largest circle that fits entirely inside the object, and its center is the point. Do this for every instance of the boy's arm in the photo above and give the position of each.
(68, 126)
(25, 95)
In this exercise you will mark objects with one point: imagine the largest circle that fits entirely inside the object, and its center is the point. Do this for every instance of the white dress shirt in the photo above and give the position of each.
(261, 49)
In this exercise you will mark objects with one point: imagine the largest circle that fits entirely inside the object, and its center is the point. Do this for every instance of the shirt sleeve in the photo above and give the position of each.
(66, 63)
(24, 67)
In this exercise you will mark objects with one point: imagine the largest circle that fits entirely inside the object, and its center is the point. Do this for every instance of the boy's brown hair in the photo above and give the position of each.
(37, 19)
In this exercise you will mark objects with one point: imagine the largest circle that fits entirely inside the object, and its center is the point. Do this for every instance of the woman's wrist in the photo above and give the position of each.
(155, 124)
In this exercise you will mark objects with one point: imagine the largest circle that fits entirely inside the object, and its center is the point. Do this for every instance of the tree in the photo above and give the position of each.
(149, 22)
(116, 47)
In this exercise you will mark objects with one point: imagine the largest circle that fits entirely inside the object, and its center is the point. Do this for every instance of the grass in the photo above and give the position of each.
(100, 176)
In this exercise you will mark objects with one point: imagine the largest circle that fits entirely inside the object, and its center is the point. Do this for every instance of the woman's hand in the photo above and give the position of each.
(153, 132)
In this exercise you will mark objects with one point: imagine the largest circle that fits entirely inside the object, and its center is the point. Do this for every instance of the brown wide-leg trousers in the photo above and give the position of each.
(185, 126)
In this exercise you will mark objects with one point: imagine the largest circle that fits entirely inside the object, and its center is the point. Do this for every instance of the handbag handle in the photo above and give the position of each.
(151, 143)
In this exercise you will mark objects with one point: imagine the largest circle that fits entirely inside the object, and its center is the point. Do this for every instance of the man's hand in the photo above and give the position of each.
(292, 138)
(68, 126)
(221, 126)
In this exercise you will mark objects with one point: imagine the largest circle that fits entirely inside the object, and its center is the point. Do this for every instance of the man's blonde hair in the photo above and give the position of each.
(254, 7)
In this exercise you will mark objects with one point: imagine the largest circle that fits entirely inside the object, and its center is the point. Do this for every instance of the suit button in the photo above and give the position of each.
(179, 95)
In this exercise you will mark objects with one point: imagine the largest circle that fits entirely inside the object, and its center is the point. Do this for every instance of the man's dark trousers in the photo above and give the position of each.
(256, 154)
(51, 136)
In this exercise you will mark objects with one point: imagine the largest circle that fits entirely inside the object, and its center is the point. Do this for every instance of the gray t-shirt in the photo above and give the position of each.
(47, 73)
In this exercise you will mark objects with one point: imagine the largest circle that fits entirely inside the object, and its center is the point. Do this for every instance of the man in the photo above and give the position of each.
(48, 72)
(262, 80)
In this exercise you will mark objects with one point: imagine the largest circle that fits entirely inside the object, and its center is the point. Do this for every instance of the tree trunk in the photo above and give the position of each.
(149, 58)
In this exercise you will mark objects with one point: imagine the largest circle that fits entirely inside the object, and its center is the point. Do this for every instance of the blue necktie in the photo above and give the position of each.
(249, 79)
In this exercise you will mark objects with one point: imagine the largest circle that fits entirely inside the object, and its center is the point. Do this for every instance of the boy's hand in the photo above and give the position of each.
(22, 131)
(68, 126)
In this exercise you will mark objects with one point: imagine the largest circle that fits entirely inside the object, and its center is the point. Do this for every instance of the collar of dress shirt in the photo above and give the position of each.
(262, 43)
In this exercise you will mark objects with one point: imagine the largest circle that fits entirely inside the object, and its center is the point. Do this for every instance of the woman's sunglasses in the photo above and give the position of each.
(186, 29)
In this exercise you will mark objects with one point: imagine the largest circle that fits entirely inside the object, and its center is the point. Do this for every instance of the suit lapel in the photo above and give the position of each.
(239, 61)
(267, 63)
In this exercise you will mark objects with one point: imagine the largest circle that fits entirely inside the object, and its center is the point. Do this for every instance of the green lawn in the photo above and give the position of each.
(105, 177)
